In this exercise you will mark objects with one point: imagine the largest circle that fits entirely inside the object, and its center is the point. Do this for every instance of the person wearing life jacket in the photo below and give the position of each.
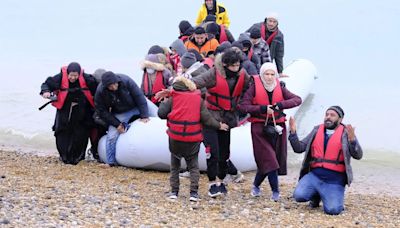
(74, 90)
(155, 75)
(118, 100)
(326, 167)
(270, 151)
(186, 30)
(274, 38)
(244, 39)
(226, 82)
(177, 50)
(213, 8)
(202, 42)
(186, 113)
(220, 33)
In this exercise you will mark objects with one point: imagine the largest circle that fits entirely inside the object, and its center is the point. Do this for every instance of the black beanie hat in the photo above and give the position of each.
(188, 59)
(255, 33)
(338, 110)
(184, 26)
(74, 67)
(199, 30)
(213, 28)
(199, 58)
(155, 49)
(109, 78)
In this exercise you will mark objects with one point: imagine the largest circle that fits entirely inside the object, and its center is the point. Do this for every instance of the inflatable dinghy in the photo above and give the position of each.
(145, 145)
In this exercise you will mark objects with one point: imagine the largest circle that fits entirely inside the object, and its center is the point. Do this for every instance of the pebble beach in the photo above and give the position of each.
(40, 191)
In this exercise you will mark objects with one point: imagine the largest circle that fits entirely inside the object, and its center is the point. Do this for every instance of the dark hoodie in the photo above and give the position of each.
(127, 97)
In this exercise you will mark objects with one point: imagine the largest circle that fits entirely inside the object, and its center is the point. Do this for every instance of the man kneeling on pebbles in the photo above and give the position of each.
(326, 167)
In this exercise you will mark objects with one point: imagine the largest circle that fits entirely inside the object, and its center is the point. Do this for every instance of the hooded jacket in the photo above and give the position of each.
(208, 80)
(220, 13)
(277, 47)
(127, 97)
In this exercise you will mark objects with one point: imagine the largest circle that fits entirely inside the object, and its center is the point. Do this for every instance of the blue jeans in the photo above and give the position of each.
(113, 134)
(332, 195)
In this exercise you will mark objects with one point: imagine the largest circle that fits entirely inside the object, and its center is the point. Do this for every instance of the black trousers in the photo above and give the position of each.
(218, 143)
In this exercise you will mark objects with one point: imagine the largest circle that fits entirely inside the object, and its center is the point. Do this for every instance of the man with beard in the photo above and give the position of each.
(273, 37)
(326, 167)
(202, 42)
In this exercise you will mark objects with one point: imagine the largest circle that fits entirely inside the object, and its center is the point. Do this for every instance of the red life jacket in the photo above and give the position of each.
(251, 53)
(184, 119)
(184, 38)
(209, 62)
(271, 37)
(332, 158)
(175, 60)
(263, 31)
(222, 34)
(63, 91)
(158, 85)
(261, 98)
(219, 98)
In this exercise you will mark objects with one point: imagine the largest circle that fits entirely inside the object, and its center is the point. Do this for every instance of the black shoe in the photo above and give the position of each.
(213, 191)
(194, 197)
(314, 203)
(222, 189)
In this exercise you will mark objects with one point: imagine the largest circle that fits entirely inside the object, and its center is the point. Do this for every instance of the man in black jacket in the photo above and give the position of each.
(117, 100)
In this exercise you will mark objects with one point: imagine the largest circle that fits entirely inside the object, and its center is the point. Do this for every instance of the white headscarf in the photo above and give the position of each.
(268, 66)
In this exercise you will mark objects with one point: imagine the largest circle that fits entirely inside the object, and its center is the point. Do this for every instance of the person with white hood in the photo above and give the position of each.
(265, 101)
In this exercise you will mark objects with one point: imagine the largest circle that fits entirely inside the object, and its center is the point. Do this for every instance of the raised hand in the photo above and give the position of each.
(162, 94)
(350, 132)
(292, 125)
(223, 126)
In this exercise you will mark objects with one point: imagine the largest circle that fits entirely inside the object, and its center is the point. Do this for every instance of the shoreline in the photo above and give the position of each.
(41, 191)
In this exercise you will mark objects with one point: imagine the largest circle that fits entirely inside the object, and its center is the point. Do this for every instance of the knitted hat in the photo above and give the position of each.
(222, 47)
(98, 73)
(338, 110)
(184, 26)
(109, 78)
(155, 49)
(73, 67)
(273, 15)
(213, 28)
(255, 33)
(188, 59)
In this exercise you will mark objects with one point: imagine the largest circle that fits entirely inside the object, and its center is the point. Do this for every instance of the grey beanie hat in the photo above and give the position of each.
(188, 59)
(338, 110)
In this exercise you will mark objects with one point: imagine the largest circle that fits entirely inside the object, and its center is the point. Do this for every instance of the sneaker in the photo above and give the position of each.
(275, 196)
(238, 178)
(255, 191)
(185, 174)
(194, 197)
(172, 195)
(223, 189)
(213, 191)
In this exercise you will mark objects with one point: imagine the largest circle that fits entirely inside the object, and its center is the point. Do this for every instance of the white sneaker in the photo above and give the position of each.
(185, 174)
(172, 195)
(238, 178)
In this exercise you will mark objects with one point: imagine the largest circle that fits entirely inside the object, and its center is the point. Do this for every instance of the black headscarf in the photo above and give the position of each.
(74, 67)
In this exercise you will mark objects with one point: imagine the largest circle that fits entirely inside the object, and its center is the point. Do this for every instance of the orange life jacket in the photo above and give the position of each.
(219, 98)
(63, 91)
(222, 34)
(332, 158)
(184, 119)
(158, 85)
(261, 98)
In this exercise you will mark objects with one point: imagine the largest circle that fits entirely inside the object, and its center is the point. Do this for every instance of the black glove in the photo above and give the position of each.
(263, 109)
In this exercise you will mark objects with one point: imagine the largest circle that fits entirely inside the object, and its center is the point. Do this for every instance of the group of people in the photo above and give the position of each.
(205, 84)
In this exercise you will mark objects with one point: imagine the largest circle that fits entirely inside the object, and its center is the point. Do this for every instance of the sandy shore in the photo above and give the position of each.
(37, 191)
